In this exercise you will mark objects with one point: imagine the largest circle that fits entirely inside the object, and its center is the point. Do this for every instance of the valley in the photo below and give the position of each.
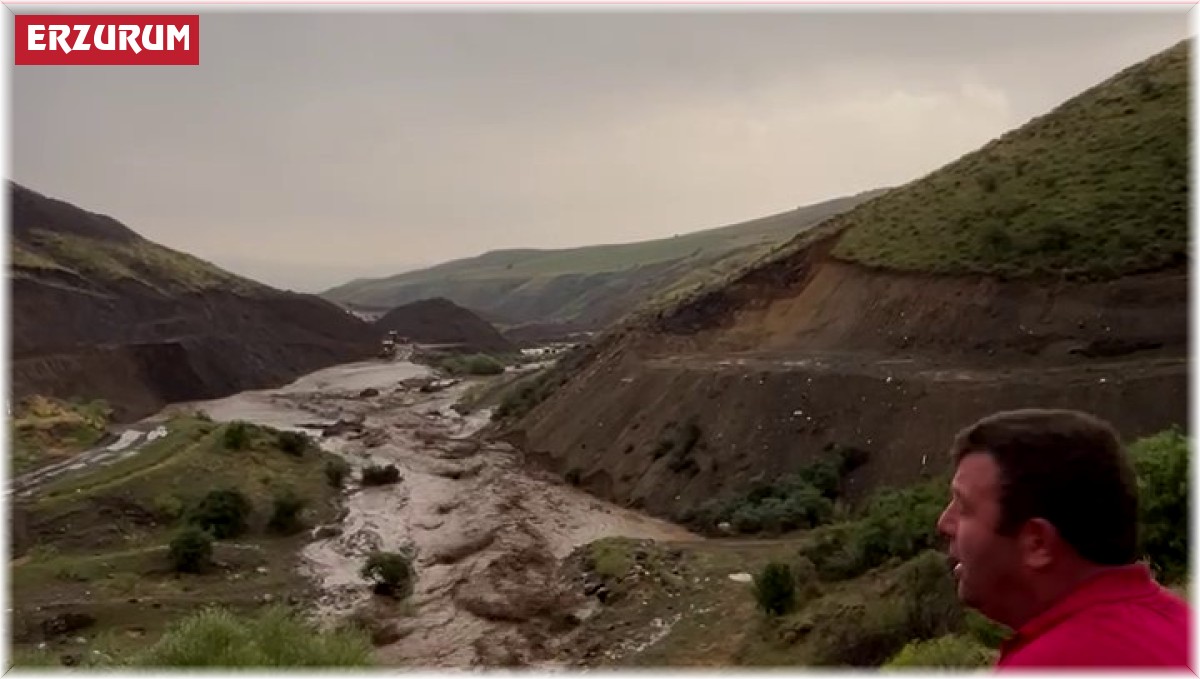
(725, 449)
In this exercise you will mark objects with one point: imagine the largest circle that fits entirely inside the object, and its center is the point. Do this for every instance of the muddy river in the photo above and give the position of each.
(487, 531)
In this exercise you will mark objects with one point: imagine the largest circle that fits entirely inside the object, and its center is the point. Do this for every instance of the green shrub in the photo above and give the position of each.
(895, 524)
(375, 475)
(478, 364)
(987, 632)
(950, 650)
(859, 635)
(336, 471)
(191, 550)
(237, 435)
(275, 638)
(224, 513)
(523, 398)
(167, 507)
(775, 589)
(930, 594)
(920, 603)
(391, 572)
(1161, 462)
(293, 442)
(285, 514)
(791, 502)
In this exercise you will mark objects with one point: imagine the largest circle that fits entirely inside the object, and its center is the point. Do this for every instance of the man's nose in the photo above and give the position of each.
(944, 524)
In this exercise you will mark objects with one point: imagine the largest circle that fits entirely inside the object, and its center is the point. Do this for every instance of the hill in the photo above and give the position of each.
(587, 288)
(440, 321)
(886, 328)
(99, 312)
(95, 569)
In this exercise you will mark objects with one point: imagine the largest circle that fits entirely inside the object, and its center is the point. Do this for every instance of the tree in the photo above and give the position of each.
(775, 589)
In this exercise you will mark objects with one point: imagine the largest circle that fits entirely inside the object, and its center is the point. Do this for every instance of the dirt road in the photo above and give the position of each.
(129, 442)
(919, 369)
(487, 533)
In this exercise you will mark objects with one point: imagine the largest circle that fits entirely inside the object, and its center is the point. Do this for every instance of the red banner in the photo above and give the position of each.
(107, 40)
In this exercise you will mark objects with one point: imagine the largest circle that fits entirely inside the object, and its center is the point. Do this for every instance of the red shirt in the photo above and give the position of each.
(1121, 618)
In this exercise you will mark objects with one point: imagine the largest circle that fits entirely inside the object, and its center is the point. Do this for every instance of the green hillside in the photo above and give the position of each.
(1097, 188)
(587, 285)
(56, 239)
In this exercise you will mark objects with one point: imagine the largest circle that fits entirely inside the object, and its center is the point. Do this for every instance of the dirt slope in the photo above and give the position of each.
(100, 312)
(440, 321)
(810, 350)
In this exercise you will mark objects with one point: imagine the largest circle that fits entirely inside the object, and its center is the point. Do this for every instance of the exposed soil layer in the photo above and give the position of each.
(141, 342)
(440, 321)
(778, 367)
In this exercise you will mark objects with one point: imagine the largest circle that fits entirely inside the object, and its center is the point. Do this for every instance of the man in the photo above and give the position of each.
(1043, 534)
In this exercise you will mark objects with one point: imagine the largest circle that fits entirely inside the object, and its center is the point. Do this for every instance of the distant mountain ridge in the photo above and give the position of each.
(587, 287)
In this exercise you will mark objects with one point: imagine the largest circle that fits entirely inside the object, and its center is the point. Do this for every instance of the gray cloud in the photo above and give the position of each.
(308, 149)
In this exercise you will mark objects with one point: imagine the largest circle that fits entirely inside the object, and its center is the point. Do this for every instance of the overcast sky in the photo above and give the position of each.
(309, 149)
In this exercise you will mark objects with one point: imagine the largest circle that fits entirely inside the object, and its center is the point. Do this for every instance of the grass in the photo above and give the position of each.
(610, 558)
(182, 434)
(276, 637)
(1096, 189)
(138, 260)
(101, 535)
(523, 394)
(538, 285)
(222, 638)
(46, 429)
(177, 470)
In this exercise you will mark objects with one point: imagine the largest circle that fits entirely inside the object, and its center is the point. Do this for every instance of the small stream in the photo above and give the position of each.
(487, 532)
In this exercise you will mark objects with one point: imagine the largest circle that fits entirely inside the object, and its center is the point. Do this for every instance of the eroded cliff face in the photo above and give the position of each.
(99, 312)
(1040, 270)
(893, 364)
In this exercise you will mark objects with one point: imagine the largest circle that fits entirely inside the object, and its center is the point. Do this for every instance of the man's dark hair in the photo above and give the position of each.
(1066, 467)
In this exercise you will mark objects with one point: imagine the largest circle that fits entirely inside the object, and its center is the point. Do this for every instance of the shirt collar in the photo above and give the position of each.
(1112, 584)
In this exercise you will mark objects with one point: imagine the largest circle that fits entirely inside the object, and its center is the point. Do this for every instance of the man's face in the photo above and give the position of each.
(986, 565)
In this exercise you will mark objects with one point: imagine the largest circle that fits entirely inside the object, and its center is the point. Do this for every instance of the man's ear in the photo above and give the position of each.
(1039, 541)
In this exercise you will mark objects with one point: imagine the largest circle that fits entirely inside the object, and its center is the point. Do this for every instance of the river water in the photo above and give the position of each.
(487, 531)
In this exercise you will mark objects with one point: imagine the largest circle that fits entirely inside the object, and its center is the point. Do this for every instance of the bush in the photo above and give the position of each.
(920, 603)
(523, 398)
(946, 651)
(859, 635)
(191, 550)
(931, 597)
(792, 502)
(986, 632)
(392, 573)
(275, 638)
(775, 589)
(375, 475)
(895, 524)
(336, 471)
(285, 516)
(1161, 462)
(223, 512)
(478, 364)
(293, 442)
(167, 507)
(237, 435)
